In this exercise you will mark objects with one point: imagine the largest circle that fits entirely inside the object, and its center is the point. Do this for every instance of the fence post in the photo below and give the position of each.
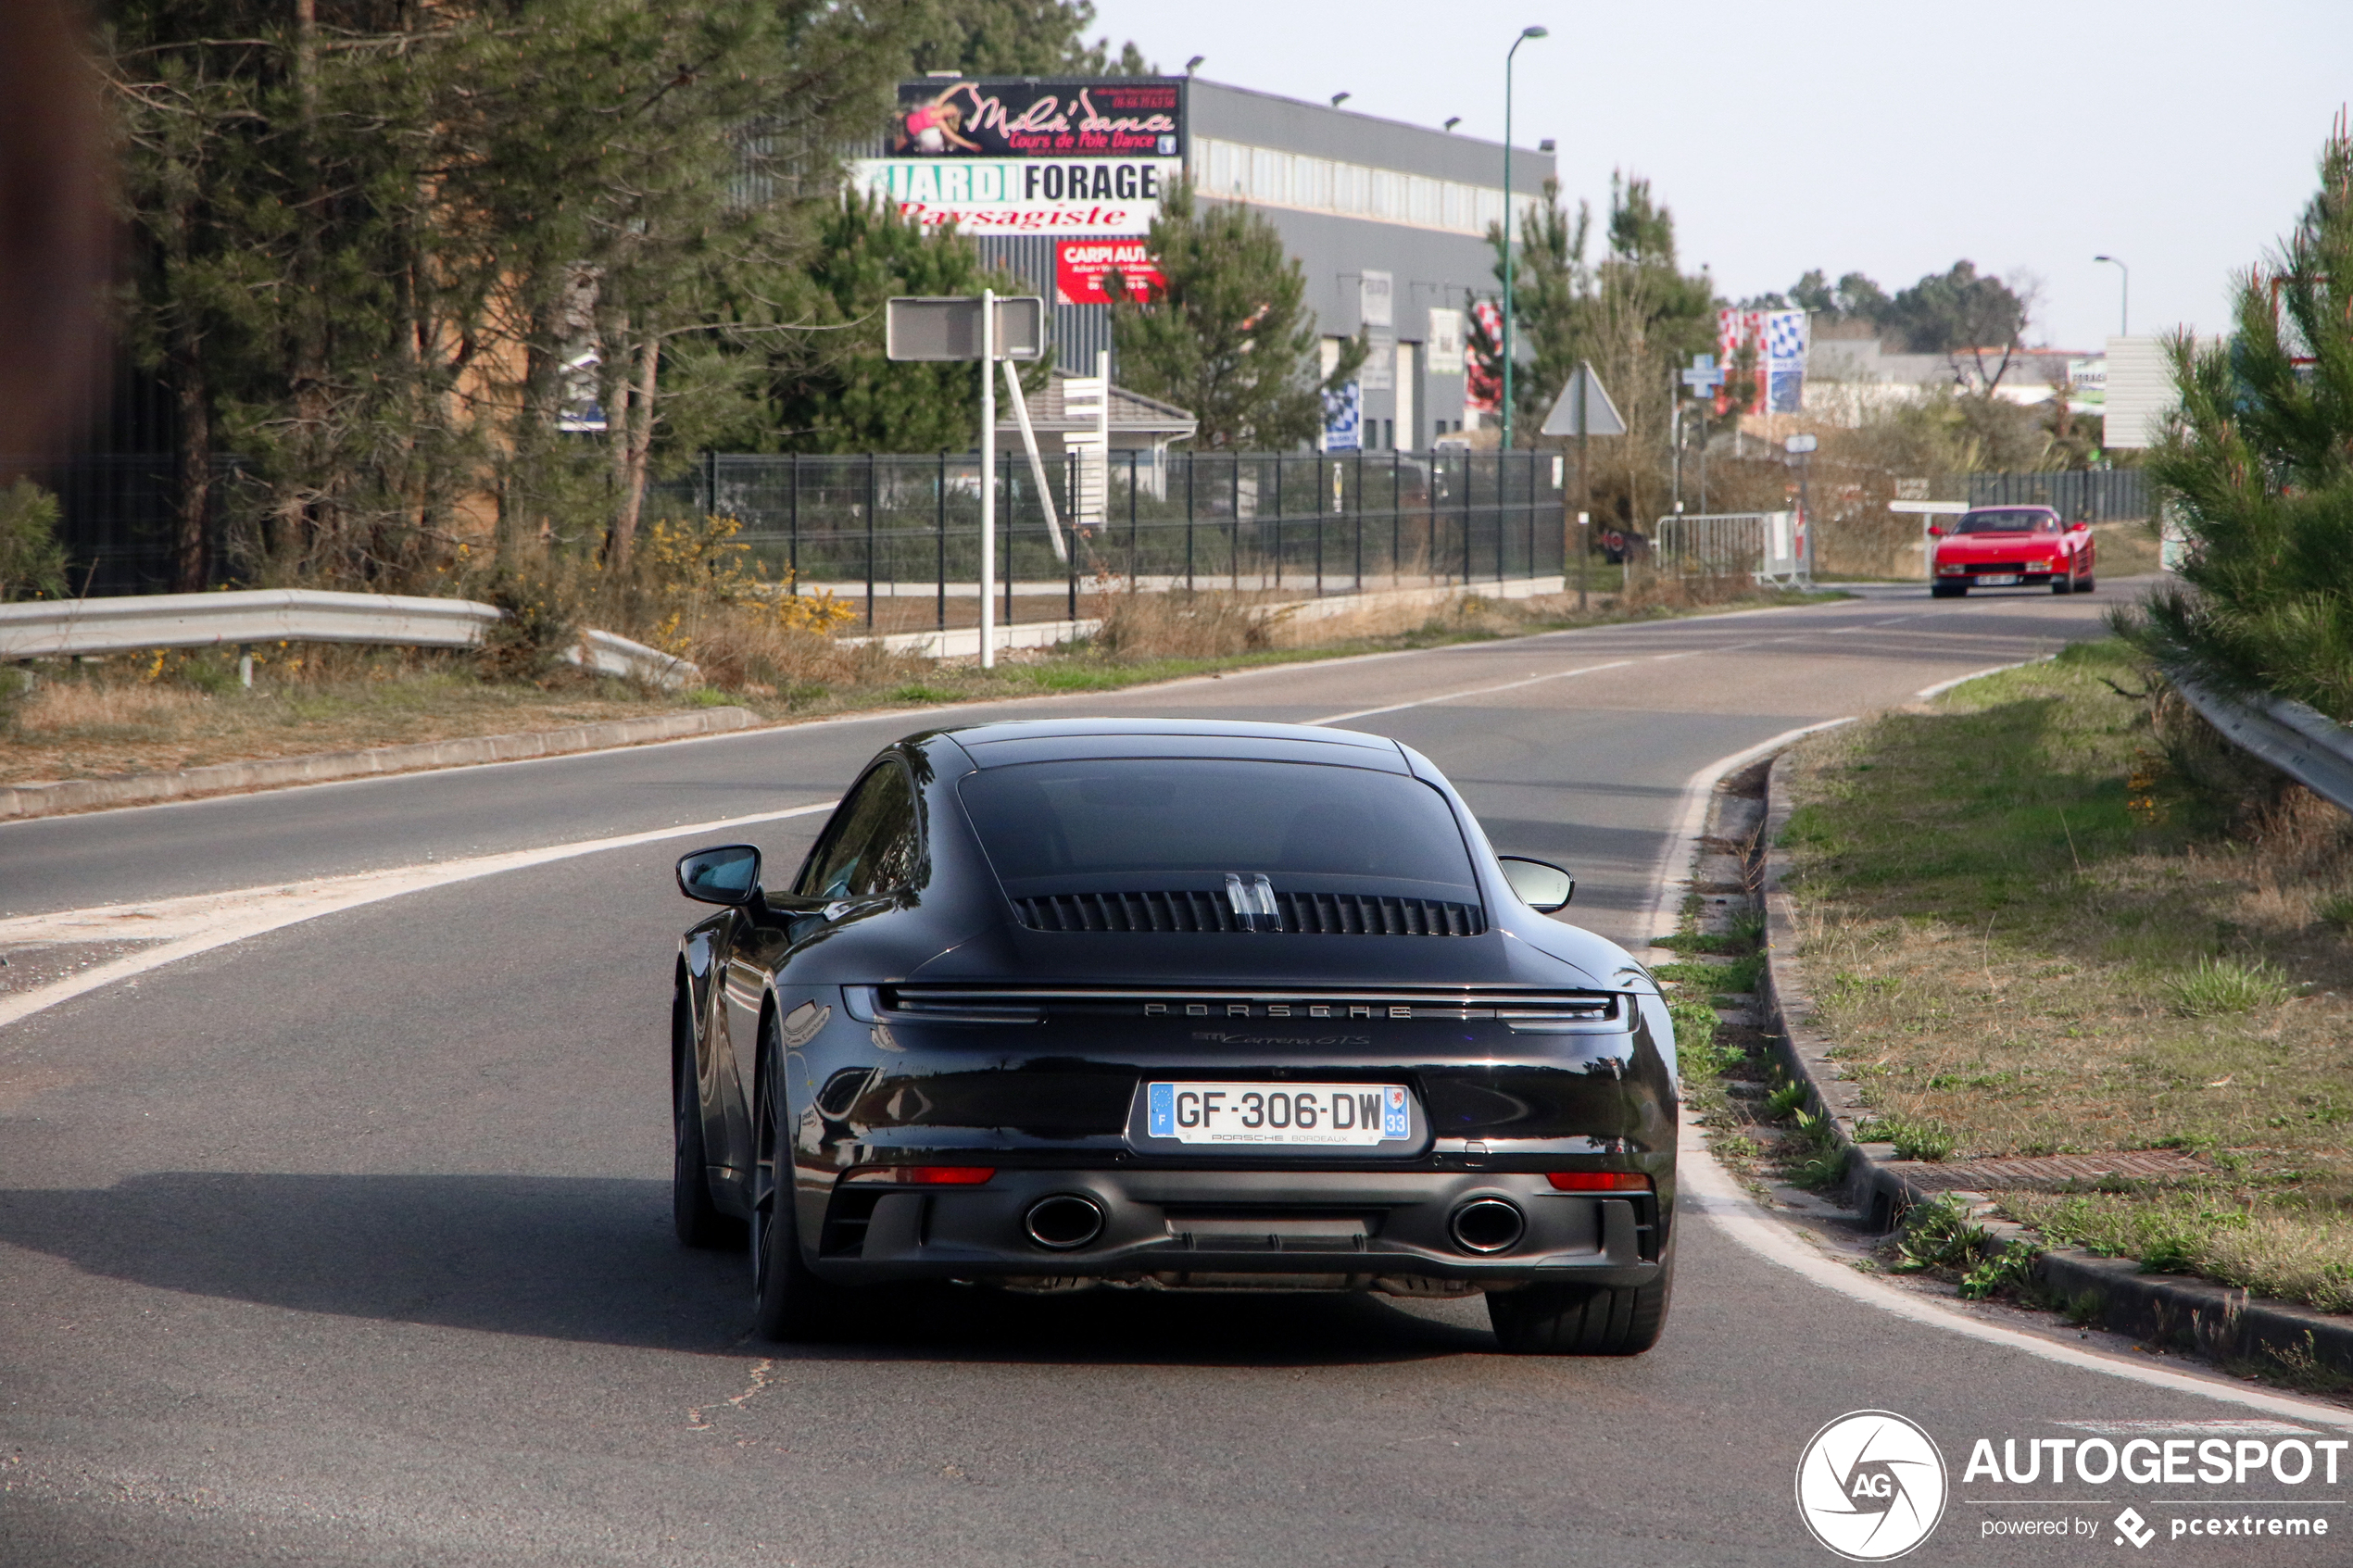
(1190, 466)
(1013, 499)
(1279, 520)
(1470, 478)
(1319, 520)
(792, 516)
(1234, 526)
(870, 461)
(1070, 494)
(1360, 520)
(939, 541)
(1396, 511)
(710, 483)
(1133, 453)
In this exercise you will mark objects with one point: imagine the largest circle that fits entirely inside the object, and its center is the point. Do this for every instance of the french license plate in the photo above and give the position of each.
(1285, 1115)
(1998, 580)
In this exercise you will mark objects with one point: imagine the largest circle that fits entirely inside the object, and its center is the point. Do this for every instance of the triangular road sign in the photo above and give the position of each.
(1600, 414)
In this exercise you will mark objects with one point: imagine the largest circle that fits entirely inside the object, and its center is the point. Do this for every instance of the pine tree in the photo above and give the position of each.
(2258, 468)
(1231, 338)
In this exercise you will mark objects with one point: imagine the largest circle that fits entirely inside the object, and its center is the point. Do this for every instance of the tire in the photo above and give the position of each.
(696, 1218)
(2062, 584)
(1581, 1320)
(787, 1301)
(2085, 586)
(1947, 590)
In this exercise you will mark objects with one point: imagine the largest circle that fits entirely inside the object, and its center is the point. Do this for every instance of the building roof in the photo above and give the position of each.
(1130, 412)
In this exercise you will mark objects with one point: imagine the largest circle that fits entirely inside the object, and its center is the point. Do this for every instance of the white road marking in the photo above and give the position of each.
(1474, 691)
(1737, 1215)
(199, 923)
(1943, 686)
(1690, 821)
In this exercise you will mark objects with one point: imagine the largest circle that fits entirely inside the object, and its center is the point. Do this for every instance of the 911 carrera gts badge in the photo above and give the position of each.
(802, 1023)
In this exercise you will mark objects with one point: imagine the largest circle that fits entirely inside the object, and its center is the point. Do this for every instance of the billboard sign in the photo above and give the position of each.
(983, 118)
(1083, 269)
(1445, 346)
(1022, 195)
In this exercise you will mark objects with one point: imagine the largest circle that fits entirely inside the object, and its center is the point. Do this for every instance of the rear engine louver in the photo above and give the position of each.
(1312, 914)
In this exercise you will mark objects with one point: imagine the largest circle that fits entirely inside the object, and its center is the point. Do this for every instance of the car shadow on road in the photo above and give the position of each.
(593, 1260)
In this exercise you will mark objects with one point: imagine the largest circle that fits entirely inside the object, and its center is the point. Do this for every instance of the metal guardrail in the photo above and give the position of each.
(2302, 742)
(63, 628)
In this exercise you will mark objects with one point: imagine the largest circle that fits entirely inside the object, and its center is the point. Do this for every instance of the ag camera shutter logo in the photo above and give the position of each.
(1870, 1486)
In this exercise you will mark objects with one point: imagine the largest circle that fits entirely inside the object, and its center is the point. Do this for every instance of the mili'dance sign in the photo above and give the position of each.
(1032, 158)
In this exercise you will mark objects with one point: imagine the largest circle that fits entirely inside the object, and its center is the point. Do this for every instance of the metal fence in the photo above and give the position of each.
(891, 528)
(1758, 546)
(2093, 495)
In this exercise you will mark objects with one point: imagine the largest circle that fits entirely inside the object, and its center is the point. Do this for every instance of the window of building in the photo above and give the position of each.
(1269, 176)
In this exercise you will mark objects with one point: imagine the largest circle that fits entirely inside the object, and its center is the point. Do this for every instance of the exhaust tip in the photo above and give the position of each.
(1487, 1224)
(1063, 1222)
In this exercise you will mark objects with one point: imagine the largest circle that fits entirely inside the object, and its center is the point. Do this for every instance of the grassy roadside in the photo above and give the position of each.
(149, 713)
(2051, 913)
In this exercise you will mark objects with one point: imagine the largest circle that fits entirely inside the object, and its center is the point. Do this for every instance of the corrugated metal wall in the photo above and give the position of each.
(1080, 331)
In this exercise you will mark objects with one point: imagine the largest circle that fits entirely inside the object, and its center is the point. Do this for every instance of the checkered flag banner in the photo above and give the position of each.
(1785, 336)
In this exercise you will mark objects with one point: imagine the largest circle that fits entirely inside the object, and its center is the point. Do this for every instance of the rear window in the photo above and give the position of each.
(1141, 824)
(2007, 519)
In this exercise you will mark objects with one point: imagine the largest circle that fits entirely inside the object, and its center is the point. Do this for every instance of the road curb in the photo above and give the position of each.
(18, 802)
(2215, 1320)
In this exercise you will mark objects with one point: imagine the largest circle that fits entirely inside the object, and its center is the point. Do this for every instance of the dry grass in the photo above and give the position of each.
(2026, 919)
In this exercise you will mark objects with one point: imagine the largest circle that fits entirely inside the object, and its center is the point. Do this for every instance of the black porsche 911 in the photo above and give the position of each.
(1171, 1005)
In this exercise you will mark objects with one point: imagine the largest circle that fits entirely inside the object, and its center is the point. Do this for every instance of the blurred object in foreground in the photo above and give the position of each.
(54, 228)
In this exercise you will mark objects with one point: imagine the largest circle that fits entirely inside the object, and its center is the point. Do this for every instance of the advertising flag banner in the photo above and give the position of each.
(1786, 338)
(1482, 376)
(1445, 349)
(1737, 330)
(983, 118)
(1343, 419)
(1083, 270)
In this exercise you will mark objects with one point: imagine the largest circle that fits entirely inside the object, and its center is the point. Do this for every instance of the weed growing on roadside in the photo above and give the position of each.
(2222, 986)
(1942, 1236)
(2336, 911)
(1784, 1099)
(1914, 1138)
(1823, 1164)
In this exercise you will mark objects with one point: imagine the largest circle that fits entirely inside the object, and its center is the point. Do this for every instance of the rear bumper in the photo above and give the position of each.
(1308, 1229)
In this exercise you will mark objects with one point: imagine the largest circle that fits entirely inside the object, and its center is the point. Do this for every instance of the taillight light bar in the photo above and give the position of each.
(1598, 1180)
(925, 1176)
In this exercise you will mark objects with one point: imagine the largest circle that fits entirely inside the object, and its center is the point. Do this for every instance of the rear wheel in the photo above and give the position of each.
(1581, 1320)
(2085, 586)
(696, 1218)
(788, 1301)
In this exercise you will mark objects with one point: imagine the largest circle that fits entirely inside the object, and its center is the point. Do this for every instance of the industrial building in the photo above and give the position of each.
(1056, 180)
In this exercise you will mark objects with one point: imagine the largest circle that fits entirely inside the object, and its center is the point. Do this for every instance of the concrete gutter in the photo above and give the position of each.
(2216, 1320)
(21, 801)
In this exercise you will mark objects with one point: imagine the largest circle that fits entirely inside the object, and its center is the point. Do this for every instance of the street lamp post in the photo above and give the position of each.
(1525, 34)
(2125, 326)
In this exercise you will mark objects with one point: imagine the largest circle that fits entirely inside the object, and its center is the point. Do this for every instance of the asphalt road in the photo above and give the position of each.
(348, 1243)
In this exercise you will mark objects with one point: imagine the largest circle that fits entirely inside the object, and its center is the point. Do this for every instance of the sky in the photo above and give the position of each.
(1892, 137)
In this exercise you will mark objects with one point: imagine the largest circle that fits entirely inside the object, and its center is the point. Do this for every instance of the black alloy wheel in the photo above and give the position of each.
(696, 1218)
(787, 1301)
(1581, 1320)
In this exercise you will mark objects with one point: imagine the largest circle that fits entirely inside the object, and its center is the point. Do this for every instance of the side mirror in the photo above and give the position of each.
(1936, 530)
(1541, 885)
(2079, 526)
(728, 875)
